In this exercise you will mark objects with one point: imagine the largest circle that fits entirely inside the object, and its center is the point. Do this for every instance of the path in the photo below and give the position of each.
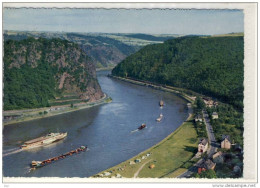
(137, 172)
(211, 150)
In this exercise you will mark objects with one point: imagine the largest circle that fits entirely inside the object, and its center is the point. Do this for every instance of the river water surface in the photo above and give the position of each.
(106, 129)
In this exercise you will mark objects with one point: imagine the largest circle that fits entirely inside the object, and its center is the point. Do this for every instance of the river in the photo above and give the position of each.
(106, 129)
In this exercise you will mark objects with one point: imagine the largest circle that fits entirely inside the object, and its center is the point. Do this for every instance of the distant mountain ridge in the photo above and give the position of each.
(105, 50)
(150, 37)
(38, 70)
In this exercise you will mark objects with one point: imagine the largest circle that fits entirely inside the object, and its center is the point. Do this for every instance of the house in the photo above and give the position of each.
(225, 142)
(203, 145)
(192, 98)
(206, 165)
(208, 101)
(214, 115)
(198, 118)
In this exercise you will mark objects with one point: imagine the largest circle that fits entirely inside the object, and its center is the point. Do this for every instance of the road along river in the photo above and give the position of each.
(106, 129)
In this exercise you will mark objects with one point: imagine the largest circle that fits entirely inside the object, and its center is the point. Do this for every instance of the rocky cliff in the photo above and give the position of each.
(38, 70)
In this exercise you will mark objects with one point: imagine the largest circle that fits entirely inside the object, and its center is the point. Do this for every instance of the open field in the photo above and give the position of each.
(226, 35)
(172, 153)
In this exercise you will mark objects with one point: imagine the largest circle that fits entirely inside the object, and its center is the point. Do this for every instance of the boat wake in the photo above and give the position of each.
(28, 170)
(11, 151)
(134, 131)
(137, 130)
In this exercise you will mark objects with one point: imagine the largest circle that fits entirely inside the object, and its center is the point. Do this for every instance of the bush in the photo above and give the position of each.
(207, 174)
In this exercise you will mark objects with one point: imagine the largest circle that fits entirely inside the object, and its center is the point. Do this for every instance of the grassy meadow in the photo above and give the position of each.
(171, 157)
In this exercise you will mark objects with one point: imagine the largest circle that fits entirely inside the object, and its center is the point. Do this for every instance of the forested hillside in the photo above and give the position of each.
(37, 70)
(149, 37)
(212, 66)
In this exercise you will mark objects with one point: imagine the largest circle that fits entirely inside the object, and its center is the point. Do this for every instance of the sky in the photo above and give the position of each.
(156, 21)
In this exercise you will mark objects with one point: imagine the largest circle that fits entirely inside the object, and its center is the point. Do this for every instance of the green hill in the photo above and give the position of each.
(149, 37)
(212, 66)
(36, 71)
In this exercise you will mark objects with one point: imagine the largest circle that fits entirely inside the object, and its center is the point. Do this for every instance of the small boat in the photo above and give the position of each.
(142, 126)
(38, 164)
(159, 118)
(161, 103)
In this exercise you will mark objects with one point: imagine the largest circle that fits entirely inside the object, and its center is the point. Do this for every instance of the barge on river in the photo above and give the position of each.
(38, 164)
(159, 118)
(142, 126)
(44, 140)
(161, 103)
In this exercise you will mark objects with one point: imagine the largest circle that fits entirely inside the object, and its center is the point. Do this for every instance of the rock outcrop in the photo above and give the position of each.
(46, 69)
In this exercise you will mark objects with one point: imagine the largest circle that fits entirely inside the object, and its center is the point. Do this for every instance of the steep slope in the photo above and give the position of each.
(212, 66)
(37, 70)
(104, 52)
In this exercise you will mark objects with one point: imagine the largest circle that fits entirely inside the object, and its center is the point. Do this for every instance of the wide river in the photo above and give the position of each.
(106, 129)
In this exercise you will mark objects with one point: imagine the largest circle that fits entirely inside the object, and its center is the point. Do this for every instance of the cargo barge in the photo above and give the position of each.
(142, 126)
(42, 141)
(159, 118)
(38, 164)
(161, 103)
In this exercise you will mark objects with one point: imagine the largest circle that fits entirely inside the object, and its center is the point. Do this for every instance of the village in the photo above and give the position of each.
(211, 152)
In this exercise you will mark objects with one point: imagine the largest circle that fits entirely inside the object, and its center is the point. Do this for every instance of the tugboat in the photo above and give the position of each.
(38, 164)
(161, 103)
(159, 118)
(42, 141)
(142, 126)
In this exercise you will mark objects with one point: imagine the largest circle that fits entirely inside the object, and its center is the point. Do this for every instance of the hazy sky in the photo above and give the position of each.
(125, 21)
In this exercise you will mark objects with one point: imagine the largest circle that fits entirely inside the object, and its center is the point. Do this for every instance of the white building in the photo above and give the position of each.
(203, 145)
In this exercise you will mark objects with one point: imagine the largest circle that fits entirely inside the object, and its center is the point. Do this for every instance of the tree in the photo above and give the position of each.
(206, 174)
(200, 103)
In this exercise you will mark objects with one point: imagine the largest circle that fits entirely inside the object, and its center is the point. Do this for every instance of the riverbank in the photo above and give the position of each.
(38, 113)
(177, 91)
(167, 159)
